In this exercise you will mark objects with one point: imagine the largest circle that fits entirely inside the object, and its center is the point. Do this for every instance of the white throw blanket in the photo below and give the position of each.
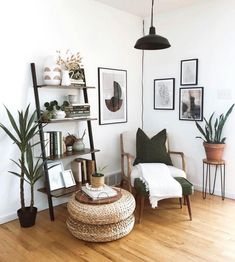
(159, 181)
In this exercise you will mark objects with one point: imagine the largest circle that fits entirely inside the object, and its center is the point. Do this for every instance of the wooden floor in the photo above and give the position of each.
(165, 234)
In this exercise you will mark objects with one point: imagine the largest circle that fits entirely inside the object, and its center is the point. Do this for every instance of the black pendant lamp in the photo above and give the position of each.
(152, 41)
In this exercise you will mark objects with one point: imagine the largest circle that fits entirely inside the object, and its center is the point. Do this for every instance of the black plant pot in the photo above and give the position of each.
(27, 217)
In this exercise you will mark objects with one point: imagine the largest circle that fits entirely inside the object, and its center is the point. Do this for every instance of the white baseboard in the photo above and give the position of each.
(13, 216)
(217, 192)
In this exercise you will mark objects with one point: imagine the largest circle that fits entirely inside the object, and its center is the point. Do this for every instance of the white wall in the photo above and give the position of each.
(203, 31)
(32, 30)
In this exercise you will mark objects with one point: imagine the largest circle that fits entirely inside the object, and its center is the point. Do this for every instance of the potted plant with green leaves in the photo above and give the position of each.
(97, 179)
(24, 129)
(213, 141)
(54, 110)
(33, 172)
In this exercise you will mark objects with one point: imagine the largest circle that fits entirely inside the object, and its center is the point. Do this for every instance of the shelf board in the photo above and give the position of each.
(62, 191)
(76, 87)
(69, 120)
(86, 151)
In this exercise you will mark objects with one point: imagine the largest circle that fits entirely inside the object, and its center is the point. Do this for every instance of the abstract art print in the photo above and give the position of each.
(112, 96)
(164, 94)
(189, 72)
(191, 103)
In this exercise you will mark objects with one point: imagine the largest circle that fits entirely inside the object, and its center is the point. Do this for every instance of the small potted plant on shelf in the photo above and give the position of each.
(97, 179)
(54, 110)
(213, 141)
(23, 131)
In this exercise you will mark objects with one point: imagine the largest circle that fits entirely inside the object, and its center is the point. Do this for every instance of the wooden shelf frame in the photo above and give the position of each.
(91, 150)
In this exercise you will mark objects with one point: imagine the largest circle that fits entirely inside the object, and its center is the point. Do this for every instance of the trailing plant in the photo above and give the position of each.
(212, 132)
(24, 129)
(53, 105)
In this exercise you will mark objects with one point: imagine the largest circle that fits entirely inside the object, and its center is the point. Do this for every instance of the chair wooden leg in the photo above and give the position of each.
(141, 208)
(180, 200)
(185, 201)
(189, 206)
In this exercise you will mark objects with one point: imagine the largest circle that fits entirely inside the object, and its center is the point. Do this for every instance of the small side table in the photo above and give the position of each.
(207, 176)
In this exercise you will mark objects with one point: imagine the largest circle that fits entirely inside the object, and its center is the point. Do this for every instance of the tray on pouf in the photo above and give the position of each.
(103, 222)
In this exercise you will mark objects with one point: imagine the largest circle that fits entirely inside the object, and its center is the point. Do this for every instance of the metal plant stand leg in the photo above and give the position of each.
(216, 167)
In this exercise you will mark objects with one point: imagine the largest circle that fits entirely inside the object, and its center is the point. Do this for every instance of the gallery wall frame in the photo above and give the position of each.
(189, 72)
(191, 103)
(112, 86)
(164, 94)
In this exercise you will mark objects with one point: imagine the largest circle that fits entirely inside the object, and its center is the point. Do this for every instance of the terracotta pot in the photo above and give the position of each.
(97, 181)
(27, 217)
(214, 152)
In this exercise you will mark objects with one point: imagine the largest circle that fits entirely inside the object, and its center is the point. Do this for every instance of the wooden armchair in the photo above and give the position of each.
(134, 185)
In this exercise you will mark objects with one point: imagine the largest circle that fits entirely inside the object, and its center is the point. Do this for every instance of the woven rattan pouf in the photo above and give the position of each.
(104, 222)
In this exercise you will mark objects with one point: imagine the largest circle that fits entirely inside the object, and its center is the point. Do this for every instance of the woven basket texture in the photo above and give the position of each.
(100, 233)
(102, 214)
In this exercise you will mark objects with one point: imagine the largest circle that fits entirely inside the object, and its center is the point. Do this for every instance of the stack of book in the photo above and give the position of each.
(77, 110)
(53, 143)
(83, 169)
(105, 192)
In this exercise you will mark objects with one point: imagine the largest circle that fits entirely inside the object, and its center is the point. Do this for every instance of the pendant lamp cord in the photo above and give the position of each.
(152, 14)
(142, 86)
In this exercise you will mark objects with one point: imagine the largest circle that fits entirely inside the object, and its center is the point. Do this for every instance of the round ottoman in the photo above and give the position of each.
(104, 222)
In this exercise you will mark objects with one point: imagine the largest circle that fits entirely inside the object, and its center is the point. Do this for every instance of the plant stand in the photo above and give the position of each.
(207, 164)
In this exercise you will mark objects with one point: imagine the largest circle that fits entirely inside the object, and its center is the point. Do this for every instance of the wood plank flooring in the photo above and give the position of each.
(165, 234)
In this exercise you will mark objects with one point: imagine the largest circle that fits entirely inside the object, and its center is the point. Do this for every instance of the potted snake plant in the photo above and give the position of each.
(213, 141)
(97, 179)
(21, 132)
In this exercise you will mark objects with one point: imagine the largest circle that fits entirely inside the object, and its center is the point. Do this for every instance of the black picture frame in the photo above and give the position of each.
(112, 95)
(189, 72)
(191, 103)
(164, 94)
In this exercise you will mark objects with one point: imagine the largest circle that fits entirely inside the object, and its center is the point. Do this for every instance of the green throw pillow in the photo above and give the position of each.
(151, 150)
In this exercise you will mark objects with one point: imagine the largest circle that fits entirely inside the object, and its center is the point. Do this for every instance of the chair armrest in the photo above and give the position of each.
(181, 154)
(129, 158)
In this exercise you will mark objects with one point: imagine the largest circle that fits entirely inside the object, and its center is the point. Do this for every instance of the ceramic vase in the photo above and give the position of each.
(65, 78)
(51, 72)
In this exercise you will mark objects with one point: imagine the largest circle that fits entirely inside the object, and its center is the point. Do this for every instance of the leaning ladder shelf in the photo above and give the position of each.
(91, 150)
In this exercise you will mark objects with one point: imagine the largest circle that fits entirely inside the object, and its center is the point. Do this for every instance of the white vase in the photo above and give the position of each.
(51, 72)
(59, 114)
(65, 78)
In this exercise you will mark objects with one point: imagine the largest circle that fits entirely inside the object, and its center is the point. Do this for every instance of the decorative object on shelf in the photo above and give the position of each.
(152, 41)
(73, 99)
(54, 110)
(68, 178)
(112, 96)
(212, 138)
(97, 179)
(72, 63)
(189, 72)
(164, 94)
(65, 78)
(24, 129)
(191, 103)
(69, 141)
(51, 72)
(79, 145)
(55, 171)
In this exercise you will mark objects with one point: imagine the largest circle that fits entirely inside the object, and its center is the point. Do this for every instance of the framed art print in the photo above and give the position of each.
(68, 178)
(112, 96)
(55, 169)
(189, 72)
(164, 94)
(191, 103)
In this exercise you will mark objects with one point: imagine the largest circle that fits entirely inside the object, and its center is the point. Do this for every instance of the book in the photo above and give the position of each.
(90, 167)
(106, 192)
(77, 170)
(83, 168)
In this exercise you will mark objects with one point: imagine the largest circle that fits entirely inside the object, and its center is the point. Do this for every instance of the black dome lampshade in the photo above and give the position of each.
(152, 41)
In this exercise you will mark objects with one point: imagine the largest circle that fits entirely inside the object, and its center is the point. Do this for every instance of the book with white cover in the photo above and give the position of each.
(106, 192)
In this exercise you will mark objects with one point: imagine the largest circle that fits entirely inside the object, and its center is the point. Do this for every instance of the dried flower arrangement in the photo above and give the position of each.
(69, 61)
